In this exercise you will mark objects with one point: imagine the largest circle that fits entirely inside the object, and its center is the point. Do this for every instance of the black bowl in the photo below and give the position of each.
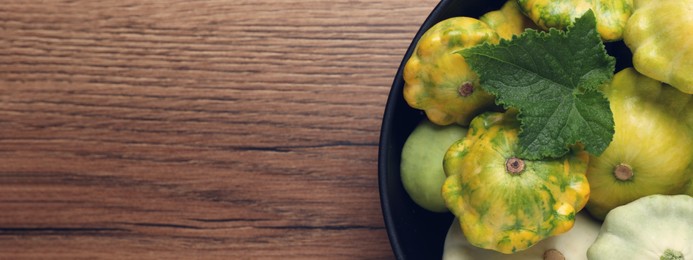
(414, 232)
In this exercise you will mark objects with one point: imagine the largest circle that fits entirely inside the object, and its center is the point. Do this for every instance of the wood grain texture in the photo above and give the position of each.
(196, 129)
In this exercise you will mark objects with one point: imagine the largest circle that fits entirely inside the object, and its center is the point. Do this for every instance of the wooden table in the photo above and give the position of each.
(196, 129)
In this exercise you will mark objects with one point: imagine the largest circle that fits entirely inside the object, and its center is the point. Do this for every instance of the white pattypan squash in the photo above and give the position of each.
(652, 227)
(571, 245)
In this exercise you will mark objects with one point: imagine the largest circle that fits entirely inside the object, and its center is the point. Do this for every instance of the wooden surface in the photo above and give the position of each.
(196, 129)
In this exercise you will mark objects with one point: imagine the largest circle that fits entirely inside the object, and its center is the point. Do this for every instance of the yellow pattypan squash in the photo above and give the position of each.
(611, 15)
(439, 81)
(652, 148)
(660, 35)
(508, 20)
(505, 203)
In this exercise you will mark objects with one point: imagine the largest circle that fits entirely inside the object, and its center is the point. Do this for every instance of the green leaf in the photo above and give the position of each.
(552, 78)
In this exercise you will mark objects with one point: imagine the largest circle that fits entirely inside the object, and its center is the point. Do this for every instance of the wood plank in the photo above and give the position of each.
(196, 129)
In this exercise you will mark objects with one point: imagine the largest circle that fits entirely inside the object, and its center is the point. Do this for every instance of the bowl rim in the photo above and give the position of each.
(387, 126)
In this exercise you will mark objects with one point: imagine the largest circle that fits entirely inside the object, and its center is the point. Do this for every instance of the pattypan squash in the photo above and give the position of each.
(660, 35)
(508, 20)
(689, 190)
(652, 227)
(611, 15)
(571, 245)
(421, 168)
(439, 81)
(652, 148)
(505, 203)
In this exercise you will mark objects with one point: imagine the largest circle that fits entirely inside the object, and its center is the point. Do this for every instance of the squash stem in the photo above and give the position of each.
(514, 166)
(466, 89)
(671, 255)
(623, 172)
(553, 254)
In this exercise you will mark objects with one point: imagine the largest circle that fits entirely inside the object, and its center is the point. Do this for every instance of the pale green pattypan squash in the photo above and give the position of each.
(571, 245)
(652, 227)
(505, 203)
(660, 35)
(421, 168)
(652, 148)
(439, 81)
(611, 15)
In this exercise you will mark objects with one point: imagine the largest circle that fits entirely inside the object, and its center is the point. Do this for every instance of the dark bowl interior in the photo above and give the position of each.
(414, 232)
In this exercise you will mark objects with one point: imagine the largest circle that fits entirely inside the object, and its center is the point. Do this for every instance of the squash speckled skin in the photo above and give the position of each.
(435, 74)
(652, 227)
(651, 138)
(508, 20)
(611, 15)
(510, 212)
(660, 35)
